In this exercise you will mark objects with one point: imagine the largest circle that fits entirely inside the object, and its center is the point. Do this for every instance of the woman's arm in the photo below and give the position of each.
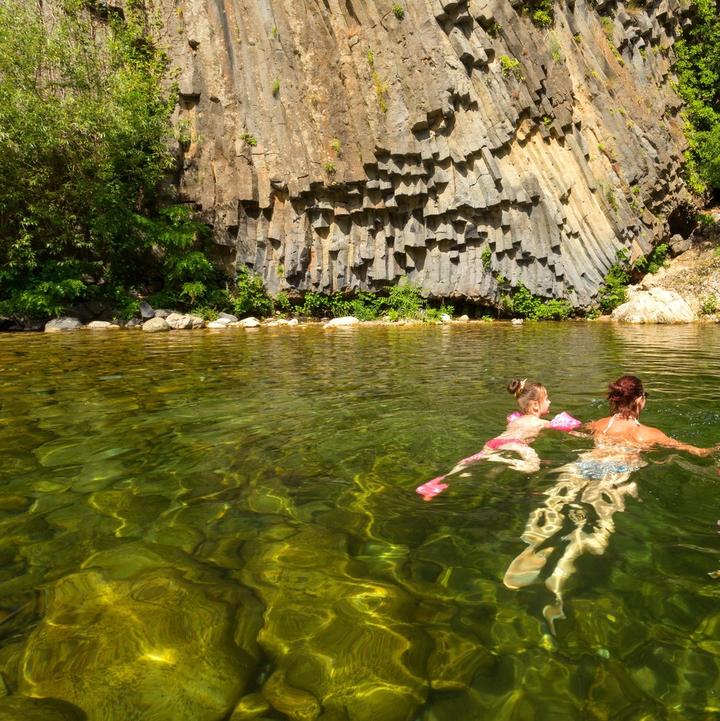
(656, 437)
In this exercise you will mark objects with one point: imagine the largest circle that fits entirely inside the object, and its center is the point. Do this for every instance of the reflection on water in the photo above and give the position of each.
(224, 526)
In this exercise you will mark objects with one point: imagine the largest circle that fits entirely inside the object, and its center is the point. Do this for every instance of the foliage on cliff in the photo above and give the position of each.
(698, 72)
(84, 125)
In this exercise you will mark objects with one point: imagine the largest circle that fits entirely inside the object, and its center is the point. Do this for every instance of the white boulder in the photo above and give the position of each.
(345, 320)
(656, 305)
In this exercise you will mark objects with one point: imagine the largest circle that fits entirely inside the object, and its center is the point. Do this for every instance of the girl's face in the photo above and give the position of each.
(541, 406)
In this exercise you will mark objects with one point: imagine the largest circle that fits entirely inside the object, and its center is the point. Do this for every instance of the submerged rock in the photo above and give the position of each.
(339, 642)
(58, 325)
(101, 325)
(21, 708)
(657, 305)
(131, 637)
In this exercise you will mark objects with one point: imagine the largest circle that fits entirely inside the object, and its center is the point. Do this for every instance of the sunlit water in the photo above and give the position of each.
(203, 525)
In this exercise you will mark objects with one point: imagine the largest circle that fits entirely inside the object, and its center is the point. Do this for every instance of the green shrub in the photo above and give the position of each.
(542, 18)
(510, 66)
(315, 305)
(710, 305)
(434, 315)
(521, 302)
(398, 11)
(613, 292)
(404, 301)
(250, 297)
(654, 260)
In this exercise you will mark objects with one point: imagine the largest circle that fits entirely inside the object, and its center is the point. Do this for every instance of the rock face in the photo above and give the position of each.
(654, 306)
(338, 146)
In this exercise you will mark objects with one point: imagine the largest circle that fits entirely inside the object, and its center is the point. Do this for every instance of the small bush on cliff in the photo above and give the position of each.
(653, 261)
(613, 291)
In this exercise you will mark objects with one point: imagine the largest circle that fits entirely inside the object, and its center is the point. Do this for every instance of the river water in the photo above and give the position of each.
(223, 525)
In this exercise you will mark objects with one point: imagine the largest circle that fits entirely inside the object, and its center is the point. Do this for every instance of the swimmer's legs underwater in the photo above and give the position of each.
(565, 501)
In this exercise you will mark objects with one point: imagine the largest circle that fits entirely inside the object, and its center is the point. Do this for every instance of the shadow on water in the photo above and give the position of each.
(232, 516)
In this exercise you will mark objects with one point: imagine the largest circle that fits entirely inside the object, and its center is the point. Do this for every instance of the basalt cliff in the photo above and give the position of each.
(342, 145)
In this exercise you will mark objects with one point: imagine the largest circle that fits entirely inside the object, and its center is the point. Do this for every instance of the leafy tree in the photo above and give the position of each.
(698, 72)
(84, 125)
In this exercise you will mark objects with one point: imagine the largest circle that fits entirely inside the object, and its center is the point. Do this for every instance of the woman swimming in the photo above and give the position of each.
(522, 429)
(627, 399)
(579, 508)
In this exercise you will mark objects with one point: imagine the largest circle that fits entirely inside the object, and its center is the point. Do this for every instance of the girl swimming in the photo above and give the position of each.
(522, 428)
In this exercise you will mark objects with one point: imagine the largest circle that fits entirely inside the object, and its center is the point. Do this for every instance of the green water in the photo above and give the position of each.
(214, 526)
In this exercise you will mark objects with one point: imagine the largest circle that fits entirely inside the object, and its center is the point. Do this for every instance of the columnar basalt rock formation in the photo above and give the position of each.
(341, 145)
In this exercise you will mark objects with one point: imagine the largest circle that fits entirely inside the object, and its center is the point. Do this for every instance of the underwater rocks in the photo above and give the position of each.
(337, 642)
(132, 637)
(20, 708)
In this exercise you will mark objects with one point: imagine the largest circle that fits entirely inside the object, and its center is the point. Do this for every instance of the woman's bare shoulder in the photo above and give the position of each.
(599, 424)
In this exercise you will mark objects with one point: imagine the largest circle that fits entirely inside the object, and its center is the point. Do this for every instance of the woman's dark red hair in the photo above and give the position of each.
(624, 394)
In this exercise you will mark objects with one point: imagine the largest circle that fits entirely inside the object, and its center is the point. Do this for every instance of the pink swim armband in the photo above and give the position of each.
(564, 422)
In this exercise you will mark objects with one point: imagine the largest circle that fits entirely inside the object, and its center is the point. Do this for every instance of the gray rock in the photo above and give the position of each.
(134, 323)
(155, 325)
(184, 322)
(678, 244)
(227, 316)
(146, 310)
(59, 325)
(249, 322)
(162, 312)
(217, 324)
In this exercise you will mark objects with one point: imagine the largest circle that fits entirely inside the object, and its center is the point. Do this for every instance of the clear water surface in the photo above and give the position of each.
(224, 526)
